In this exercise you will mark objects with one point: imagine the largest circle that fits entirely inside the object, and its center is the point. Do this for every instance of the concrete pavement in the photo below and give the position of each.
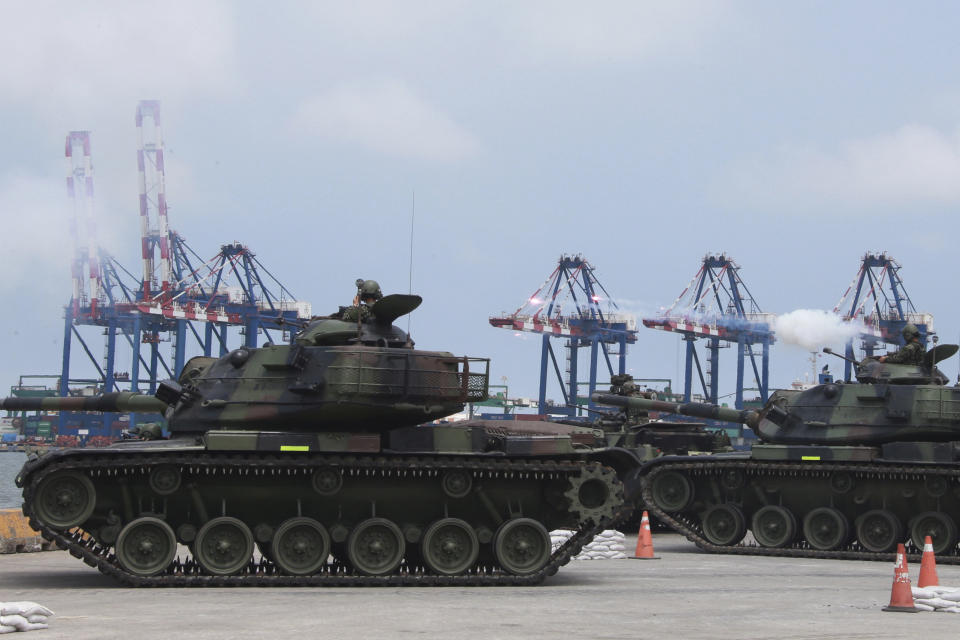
(684, 594)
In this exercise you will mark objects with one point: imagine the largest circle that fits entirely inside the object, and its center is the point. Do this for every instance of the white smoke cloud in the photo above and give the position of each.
(814, 328)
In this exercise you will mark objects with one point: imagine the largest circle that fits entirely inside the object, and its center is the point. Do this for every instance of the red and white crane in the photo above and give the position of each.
(83, 228)
(154, 226)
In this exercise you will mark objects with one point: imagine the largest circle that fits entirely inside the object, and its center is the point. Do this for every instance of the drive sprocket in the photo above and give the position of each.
(595, 494)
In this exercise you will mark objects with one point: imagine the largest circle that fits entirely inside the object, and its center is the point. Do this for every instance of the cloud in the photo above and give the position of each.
(385, 116)
(69, 55)
(35, 243)
(913, 165)
(576, 32)
(379, 22)
(535, 32)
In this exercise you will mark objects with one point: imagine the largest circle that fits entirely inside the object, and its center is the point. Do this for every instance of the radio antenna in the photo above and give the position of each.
(413, 213)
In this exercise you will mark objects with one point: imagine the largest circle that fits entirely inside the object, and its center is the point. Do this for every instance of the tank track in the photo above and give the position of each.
(259, 574)
(690, 527)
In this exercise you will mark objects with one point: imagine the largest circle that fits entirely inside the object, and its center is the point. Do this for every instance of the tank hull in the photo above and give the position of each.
(851, 503)
(429, 506)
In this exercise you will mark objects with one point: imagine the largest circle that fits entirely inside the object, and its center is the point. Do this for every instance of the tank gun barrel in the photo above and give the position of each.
(119, 401)
(692, 409)
(842, 357)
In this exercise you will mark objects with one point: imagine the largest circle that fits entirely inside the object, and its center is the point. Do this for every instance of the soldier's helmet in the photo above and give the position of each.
(370, 289)
(910, 332)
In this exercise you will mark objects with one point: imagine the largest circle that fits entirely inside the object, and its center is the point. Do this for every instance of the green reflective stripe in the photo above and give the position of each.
(290, 447)
(809, 457)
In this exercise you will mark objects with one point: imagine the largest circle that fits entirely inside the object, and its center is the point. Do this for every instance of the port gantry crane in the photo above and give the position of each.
(881, 302)
(717, 306)
(572, 305)
(174, 293)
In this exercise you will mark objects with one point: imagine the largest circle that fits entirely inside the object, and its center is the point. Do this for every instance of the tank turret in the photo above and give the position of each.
(891, 403)
(632, 427)
(339, 376)
(692, 409)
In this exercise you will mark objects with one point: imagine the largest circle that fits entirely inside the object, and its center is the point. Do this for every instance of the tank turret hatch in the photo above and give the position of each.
(378, 330)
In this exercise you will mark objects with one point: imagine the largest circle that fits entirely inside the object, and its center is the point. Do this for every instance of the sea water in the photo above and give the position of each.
(10, 464)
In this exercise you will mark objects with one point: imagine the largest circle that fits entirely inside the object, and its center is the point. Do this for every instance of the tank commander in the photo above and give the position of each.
(910, 353)
(368, 293)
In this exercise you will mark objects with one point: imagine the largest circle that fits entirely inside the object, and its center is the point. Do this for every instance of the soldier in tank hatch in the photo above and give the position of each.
(368, 293)
(910, 353)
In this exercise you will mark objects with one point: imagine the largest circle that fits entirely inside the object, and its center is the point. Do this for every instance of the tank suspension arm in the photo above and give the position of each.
(488, 505)
(692, 409)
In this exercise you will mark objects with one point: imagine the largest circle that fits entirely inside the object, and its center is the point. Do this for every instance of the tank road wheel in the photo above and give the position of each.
(223, 546)
(300, 546)
(375, 547)
(165, 479)
(774, 526)
(65, 499)
(327, 481)
(672, 491)
(939, 526)
(724, 524)
(842, 482)
(594, 494)
(522, 546)
(879, 531)
(456, 483)
(146, 546)
(826, 529)
(732, 479)
(450, 546)
(936, 486)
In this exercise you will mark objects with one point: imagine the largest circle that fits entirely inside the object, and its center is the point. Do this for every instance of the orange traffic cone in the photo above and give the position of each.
(928, 566)
(644, 541)
(901, 597)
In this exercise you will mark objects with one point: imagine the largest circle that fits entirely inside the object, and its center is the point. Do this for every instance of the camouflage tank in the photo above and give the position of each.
(632, 428)
(316, 455)
(840, 470)
(647, 438)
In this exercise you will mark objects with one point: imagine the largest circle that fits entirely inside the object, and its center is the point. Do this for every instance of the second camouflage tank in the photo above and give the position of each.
(840, 470)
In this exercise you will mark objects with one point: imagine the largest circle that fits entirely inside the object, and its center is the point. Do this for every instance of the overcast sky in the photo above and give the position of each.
(792, 136)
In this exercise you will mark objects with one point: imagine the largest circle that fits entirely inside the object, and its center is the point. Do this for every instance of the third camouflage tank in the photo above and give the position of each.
(841, 470)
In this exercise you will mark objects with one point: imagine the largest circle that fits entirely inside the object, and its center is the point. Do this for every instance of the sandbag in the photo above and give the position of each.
(923, 607)
(937, 603)
(14, 621)
(23, 608)
(923, 592)
(7, 629)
